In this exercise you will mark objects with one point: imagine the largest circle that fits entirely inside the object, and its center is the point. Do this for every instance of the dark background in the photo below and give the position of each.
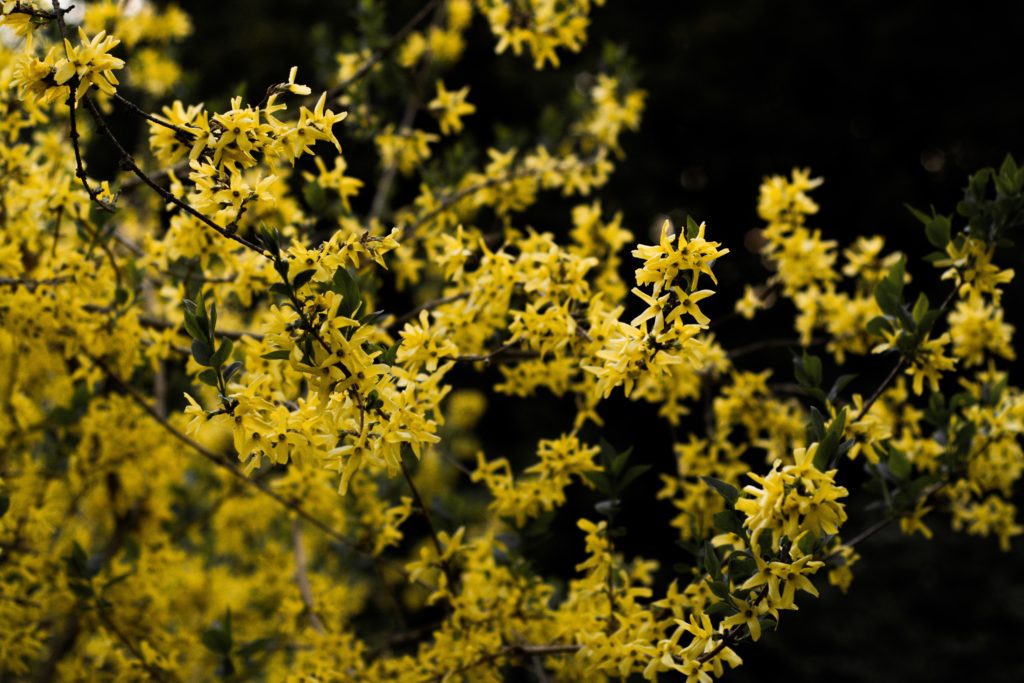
(890, 102)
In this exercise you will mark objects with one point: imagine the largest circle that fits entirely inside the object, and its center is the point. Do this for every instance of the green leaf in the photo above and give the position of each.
(600, 481)
(231, 369)
(631, 474)
(217, 641)
(692, 228)
(727, 521)
(719, 589)
(807, 370)
(879, 326)
(829, 445)
(77, 562)
(920, 308)
(838, 386)
(808, 543)
(390, 355)
(210, 377)
(279, 354)
(343, 283)
(213, 319)
(619, 461)
(888, 297)
(255, 646)
(898, 463)
(727, 491)
(223, 353)
(928, 320)
(938, 230)
(280, 288)
(201, 351)
(918, 214)
(5, 504)
(81, 589)
(117, 579)
(315, 197)
(302, 278)
(192, 326)
(719, 608)
(712, 563)
(816, 429)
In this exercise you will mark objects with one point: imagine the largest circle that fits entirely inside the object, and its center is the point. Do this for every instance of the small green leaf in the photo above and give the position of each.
(879, 326)
(727, 521)
(81, 589)
(938, 230)
(216, 641)
(619, 461)
(727, 491)
(209, 376)
(223, 353)
(280, 354)
(888, 298)
(712, 563)
(192, 326)
(600, 481)
(918, 214)
(631, 474)
(829, 445)
(920, 308)
(5, 504)
(808, 543)
(839, 385)
(302, 278)
(898, 463)
(201, 351)
(231, 369)
(692, 228)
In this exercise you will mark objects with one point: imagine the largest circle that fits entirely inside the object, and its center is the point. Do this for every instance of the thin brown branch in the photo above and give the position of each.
(30, 284)
(155, 672)
(428, 306)
(511, 651)
(507, 351)
(129, 163)
(445, 567)
(136, 109)
(302, 578)
(158, 324)
(219, 461)
(764, 344)
(383, 52)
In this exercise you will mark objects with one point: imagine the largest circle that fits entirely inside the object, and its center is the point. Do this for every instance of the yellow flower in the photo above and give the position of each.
(451, 105)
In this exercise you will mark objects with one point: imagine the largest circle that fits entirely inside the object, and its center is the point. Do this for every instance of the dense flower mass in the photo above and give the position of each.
(241, 406)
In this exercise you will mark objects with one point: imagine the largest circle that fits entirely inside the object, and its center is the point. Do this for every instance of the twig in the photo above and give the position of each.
(154, 119)
(157, 673)
(135, 181)
(384, 51)
(511, 651)
(429, 306)
(72, 103)
(380, 198)
(445, 567)
(158, 324)
(505, 351)
(302, 578)
(763, 344)
(30, 284)
(880, 389)
(217, 460)
(129, 163)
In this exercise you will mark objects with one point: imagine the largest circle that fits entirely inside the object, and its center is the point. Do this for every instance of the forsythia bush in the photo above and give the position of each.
(231, 447)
